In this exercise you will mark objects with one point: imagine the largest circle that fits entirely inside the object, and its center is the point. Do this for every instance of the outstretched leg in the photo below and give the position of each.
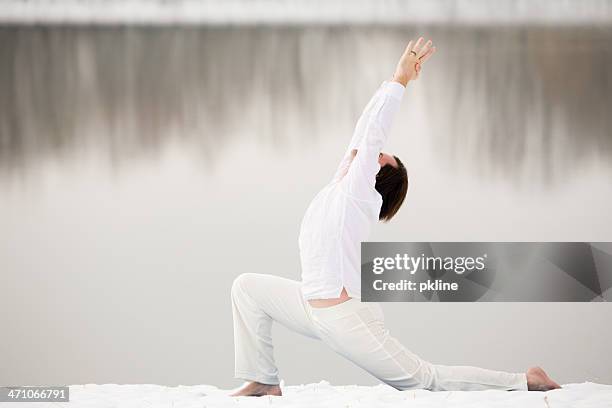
(257, 301)
(357, 331)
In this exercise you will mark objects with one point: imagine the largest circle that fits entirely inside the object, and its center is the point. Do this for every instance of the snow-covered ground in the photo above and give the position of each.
(325, 395)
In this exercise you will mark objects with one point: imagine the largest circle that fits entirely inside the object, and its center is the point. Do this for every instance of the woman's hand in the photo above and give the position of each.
(412, 59)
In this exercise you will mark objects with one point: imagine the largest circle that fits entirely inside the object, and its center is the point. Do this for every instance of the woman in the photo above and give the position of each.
(368, 186)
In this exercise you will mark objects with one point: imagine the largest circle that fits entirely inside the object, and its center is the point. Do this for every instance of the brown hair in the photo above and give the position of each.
(392, 185)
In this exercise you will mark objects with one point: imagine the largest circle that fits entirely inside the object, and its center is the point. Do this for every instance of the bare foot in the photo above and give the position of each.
(255, 389)
(537, 380)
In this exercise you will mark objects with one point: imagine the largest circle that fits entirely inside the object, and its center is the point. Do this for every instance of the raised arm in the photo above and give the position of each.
(361, 172)
(373, 128)
(358, 133)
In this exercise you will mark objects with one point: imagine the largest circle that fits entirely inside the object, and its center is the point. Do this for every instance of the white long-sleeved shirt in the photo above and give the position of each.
(340, 216)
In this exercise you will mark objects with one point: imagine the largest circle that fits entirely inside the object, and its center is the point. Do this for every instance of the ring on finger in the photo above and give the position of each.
(413, 52)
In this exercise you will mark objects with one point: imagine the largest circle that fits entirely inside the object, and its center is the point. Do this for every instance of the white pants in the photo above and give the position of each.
(353, 329)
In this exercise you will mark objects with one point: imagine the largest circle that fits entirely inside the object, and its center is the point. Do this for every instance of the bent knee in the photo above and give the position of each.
(242, 282)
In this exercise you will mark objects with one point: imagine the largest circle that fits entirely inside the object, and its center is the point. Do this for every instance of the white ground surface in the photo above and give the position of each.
(325, 395)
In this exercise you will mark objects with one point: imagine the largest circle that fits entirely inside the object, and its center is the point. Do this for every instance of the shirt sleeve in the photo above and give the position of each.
(374, 129)
(358, 133)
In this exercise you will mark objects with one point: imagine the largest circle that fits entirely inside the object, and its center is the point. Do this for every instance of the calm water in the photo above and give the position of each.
(141, 170)
(510, 101)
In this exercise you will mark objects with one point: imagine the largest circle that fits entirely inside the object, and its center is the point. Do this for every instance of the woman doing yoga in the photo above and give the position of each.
(368, 186)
